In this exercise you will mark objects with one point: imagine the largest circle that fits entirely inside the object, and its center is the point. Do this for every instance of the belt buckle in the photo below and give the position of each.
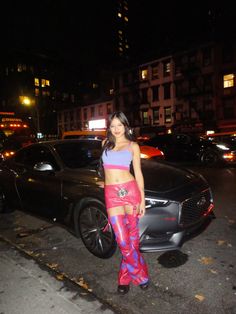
(122, 192)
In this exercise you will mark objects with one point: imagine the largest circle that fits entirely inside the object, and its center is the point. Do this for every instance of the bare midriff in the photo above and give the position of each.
(117, 176)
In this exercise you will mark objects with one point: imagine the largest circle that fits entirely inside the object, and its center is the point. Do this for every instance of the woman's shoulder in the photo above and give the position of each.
(134, 146)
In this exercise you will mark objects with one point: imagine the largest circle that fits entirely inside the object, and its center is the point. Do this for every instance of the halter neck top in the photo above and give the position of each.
(117, 159)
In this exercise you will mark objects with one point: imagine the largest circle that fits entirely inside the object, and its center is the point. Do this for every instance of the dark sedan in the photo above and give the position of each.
(187, 147)
(59, 180)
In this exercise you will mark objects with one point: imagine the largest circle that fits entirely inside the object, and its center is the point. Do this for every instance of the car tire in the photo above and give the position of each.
(96, 233)
(209, 157)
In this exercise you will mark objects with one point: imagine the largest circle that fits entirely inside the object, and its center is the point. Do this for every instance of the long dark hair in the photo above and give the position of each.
(110, 140)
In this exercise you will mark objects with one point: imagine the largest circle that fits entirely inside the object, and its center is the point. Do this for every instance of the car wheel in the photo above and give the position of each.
(209, 157)
(95, 231)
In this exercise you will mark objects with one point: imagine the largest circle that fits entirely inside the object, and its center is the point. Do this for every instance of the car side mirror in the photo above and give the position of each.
(43, 166)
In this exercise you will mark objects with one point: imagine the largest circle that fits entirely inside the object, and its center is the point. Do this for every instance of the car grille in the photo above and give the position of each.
(194, 208)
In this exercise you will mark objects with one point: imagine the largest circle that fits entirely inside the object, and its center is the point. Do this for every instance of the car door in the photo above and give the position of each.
(40, 191)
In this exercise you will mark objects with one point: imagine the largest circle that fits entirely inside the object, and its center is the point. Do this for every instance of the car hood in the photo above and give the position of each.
(163, 177)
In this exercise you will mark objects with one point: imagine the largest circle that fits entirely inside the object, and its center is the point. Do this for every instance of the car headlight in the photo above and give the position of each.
(154, 202)
(222, 146)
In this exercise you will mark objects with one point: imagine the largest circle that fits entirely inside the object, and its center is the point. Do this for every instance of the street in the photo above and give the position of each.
(200, 278)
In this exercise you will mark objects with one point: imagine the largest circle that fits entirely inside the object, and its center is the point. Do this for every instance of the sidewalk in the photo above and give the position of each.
(25, 288)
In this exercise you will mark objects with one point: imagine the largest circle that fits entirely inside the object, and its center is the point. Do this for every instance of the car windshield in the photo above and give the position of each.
(77, 154)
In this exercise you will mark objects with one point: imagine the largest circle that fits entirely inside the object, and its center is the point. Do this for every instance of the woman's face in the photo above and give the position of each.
(117, 128)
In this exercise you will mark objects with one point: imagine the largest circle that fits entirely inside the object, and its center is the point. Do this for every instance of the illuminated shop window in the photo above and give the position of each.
(228, 80)
(36, 81)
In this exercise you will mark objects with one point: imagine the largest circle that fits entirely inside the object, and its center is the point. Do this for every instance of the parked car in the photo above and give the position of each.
(147, 152)
(186, 147)
(224, 138)
(59, 180)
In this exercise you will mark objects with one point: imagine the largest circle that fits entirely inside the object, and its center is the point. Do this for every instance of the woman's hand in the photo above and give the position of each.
(142, 209)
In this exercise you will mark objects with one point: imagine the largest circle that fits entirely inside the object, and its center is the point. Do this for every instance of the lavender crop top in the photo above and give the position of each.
(119, 159)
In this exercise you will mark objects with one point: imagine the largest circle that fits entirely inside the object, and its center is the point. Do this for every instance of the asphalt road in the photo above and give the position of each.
(201, 278)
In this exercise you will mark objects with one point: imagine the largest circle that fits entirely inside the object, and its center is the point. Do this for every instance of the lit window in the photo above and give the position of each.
(120, 48)
(95, 85)
(126, 19)
(144, 74)
(120, 32)
(127, 46)
(111, 91)
(145, 117)
(43, 83)
(119, 14)
(47, 82)
(36, 81)
(166, 68)
(228, 80)
(167, 114)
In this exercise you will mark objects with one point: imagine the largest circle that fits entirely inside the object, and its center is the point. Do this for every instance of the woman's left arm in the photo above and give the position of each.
(138, 175)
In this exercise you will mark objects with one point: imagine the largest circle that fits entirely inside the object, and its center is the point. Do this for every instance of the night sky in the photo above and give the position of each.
(59, 29)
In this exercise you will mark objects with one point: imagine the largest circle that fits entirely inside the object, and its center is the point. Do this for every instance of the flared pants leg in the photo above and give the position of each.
(133, 267)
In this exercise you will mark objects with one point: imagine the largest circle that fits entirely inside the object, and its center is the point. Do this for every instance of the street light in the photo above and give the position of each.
(28, 102)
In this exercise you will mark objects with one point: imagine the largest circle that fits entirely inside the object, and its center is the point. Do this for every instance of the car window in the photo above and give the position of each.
(34, 154)
(79, 153)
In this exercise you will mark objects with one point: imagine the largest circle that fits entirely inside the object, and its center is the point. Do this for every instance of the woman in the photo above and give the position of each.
(124, 197)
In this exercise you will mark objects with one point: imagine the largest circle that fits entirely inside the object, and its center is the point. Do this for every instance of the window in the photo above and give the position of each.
(80, 154)
(228, 108)
(85, 113)
(145, 117)
(167, 114)
(166, 68)
(47, 82)
(228, 54)
(166, 91)
(43, 82)
(155, 94)
(193, 86)
(36, 81)
(109, 108)
(179, 89)
(207, 82)
(206, 57)
(144, 98)
(155, 113)
(155, 73)
(92, 112)
(36, 92)
(228, 80)
(100, 110)
(36, 154)
(144, 74)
